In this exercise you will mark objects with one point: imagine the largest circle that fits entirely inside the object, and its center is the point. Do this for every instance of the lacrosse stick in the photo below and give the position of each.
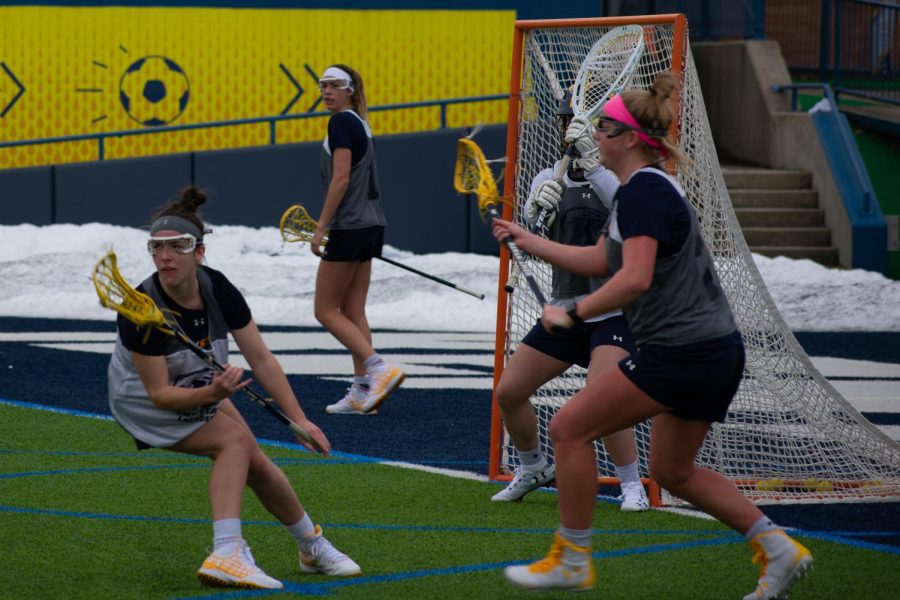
(115, 293)
(607, 70)
(297, 226)
(473, 176)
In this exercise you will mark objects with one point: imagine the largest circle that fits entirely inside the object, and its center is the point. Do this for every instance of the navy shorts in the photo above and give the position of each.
(698, 381)
(354, 245)
(574, 345)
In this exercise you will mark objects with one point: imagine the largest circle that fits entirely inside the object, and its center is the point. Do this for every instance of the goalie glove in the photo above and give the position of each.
(546, 196)
(580, 133)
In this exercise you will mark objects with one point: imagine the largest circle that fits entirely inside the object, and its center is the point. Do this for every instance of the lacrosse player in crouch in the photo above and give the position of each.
(688, 365)
(575, 212)
(167, 397)
(354, 218)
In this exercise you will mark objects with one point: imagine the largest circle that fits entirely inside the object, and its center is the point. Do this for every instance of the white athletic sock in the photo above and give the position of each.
(302, 529)
(579, 537)
(360, 387)
(375, 364)
(762, 525)
(226, 531)
(628, 472)
(533, 460)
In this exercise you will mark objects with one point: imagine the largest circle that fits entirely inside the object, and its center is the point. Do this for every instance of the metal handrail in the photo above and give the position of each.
(859, 169)
(101, 136)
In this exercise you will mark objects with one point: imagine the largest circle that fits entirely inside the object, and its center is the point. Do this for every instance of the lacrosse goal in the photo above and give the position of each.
(789, 435)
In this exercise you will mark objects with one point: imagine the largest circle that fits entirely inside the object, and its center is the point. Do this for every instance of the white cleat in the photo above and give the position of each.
(634, 498)
(233, 566)
(783, 562)
(524, 482)
(348, 405)
(380, 387)
(566, 567)
(317, 555)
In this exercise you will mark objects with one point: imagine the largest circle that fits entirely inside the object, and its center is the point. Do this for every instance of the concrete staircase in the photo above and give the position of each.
(779, 213)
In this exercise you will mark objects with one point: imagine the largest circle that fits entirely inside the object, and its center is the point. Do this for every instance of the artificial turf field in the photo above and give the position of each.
(84, 515)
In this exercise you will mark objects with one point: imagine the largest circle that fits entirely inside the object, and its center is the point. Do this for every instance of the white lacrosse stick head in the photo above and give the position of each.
(607, 69)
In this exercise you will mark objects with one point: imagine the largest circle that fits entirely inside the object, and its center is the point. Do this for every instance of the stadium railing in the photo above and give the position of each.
(271, 120)
(870, 240)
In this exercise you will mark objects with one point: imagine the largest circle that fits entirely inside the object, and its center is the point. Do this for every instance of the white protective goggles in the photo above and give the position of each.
(338, 84)
(182, 244)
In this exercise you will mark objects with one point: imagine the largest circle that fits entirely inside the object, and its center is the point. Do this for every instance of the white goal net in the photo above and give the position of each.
(789, 435)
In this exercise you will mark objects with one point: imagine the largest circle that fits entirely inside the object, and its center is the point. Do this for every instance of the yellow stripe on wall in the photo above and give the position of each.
(81, 67)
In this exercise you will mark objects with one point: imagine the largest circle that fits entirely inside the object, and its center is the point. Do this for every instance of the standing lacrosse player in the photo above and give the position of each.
(167, 397)
(574, 213)
(688, 364)
(354, 218)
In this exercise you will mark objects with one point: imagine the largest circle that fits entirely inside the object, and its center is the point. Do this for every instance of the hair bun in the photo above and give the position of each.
(191, 198)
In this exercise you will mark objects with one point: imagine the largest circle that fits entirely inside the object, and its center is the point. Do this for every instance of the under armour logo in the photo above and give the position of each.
(631, 366)
(585, 195)
(617, 338)
(199, 322)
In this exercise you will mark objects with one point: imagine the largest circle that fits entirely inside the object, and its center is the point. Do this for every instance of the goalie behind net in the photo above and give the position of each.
(789, 434)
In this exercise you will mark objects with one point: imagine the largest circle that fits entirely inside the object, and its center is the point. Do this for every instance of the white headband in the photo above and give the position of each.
(332, 73)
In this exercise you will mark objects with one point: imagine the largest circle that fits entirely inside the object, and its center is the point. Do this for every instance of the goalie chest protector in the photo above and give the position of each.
(579, 222)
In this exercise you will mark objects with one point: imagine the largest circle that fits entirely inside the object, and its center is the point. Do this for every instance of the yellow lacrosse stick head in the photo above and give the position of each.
(473, 175)
(115, 293)
(297, 226)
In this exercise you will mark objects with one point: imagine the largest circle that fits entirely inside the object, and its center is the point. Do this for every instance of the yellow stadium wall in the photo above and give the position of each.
(74, 62)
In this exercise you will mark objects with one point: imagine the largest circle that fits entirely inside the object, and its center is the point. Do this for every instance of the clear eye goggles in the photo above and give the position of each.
(613, 128)
(338, 84)
(182, 244)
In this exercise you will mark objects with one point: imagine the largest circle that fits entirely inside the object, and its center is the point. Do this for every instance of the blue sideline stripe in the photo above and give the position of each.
(100, 470)
(65, 411)
(842, 538)
(362, 526)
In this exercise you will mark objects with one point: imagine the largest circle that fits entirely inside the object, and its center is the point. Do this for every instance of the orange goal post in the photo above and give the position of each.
(789, 435)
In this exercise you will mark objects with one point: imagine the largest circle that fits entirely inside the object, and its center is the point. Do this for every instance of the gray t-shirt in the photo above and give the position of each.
(361, 205)
(685, 303)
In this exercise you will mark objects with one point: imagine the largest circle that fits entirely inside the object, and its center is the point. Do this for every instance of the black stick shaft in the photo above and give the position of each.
(519, 257)
(256, 397)
(431, 277)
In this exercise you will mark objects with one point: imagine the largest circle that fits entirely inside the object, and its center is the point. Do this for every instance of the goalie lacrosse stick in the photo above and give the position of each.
(115, 293)
(607, 70)
(473, 176)
(297, 226)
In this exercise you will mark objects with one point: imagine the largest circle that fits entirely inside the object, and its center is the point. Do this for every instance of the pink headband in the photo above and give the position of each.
(615, 109)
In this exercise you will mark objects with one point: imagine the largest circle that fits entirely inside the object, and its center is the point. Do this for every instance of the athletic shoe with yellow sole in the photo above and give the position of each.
(233, 566)
(318, 555)
(380, 387)
(350, 404)
(566, 567)
(783, 562)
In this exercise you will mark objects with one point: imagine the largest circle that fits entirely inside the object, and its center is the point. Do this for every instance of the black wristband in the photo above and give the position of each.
(572, 311)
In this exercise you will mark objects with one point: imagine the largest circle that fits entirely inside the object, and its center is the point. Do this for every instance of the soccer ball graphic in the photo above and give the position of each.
(154, 91)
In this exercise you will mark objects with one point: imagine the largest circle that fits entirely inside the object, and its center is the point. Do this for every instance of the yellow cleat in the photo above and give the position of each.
(566, 567)
(783, 562)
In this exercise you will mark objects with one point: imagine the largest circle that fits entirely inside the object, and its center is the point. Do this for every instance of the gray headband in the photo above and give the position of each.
(176, 223)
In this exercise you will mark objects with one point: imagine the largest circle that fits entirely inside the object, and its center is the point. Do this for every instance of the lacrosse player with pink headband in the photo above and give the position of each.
(688, 363)
(353, 219)
(168, 397)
